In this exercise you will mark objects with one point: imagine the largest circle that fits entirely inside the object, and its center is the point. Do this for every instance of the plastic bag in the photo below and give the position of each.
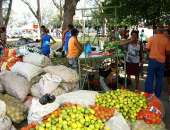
(15, 85)
(117, 122)
(27, 70)
(154, 112)
(5, 123)
(154, 102)
(36, 59)
(38, 111)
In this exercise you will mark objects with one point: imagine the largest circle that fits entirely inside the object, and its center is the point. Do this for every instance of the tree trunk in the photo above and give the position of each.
(1, 16)
(69, 12)
(39, 12)
(39, 19)
(61, 12)
(8, 13)
(4, 20)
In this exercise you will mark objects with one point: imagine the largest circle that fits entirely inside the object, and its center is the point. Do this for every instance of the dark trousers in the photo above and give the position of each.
(155, 71)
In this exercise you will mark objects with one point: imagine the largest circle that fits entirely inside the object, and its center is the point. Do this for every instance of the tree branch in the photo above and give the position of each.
(31, 9)
(8, 13)
(55, 4)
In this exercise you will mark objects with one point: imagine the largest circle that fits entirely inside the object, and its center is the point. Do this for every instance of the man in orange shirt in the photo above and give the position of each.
(158, 45)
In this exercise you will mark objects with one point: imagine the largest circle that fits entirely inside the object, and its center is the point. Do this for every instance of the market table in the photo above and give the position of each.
(93, 57)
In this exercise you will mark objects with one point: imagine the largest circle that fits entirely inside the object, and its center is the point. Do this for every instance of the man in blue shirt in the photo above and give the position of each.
(67, 37)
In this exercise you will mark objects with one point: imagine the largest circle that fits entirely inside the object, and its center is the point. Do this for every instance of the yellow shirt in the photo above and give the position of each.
(73, 51)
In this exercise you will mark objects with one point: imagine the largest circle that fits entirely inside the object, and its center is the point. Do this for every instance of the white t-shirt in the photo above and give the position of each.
(133, 53)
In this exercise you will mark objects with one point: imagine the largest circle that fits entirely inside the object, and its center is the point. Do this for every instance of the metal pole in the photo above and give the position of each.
(79, 71)
(125, 71)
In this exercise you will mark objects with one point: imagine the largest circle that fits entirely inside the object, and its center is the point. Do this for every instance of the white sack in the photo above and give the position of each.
(36, 59)
(82, 97)
(23, 50)
(117, 122)
(15, 85)
(48, 83)
(27, 70)
(141, 125)
(35, 91)
(15, 109)
(13, 128)
(70, 86)
(38, 111)
(58, 91)
(5, 123)
(68, 75)
(1, 88)
(2, 108)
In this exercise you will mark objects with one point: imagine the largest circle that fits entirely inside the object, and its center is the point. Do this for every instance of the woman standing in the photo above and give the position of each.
(133, 57)
(74, 49)
(45, 46)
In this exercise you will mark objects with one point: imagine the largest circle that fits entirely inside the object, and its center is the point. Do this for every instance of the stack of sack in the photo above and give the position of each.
(28, 78)
(31, 67)
(26, 75)
(14, 90)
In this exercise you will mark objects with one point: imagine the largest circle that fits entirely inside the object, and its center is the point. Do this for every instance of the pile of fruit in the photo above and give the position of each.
(127, 102)
(103, 113)
(76, 117)
(70, 117)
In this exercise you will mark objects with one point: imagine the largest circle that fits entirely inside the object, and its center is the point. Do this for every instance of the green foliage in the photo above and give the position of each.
(131, 12)
(55, 21)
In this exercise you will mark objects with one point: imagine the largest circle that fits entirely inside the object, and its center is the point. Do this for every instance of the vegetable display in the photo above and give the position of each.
(71, 117)
(127, 102)
(133, 106)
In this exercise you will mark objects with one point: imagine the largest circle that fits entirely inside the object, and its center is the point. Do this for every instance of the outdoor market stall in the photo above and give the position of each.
(49, 98)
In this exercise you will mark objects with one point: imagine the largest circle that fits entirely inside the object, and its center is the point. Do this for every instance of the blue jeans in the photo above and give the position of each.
(155, 70)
